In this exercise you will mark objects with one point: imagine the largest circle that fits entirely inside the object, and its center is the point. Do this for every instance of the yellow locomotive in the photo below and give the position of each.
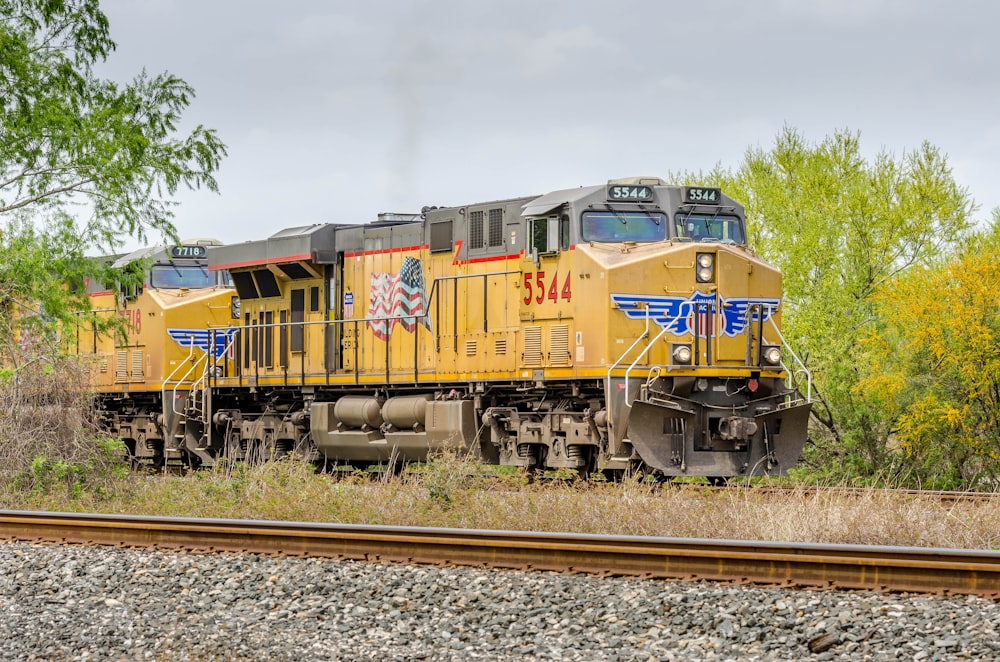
(615, 327)
(147, 378)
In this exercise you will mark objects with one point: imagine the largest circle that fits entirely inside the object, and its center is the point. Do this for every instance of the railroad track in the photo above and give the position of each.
(787, 564)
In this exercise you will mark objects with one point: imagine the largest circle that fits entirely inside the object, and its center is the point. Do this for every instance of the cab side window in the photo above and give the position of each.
(544, 235)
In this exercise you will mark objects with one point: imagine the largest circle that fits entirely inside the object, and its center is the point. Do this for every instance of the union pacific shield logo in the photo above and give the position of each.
(677, 314)
(202, 338)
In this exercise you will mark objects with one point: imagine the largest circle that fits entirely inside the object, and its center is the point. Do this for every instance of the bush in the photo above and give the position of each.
(50, 436)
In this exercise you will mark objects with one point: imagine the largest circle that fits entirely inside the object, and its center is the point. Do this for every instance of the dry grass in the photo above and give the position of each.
(49, 430)
(454, 493)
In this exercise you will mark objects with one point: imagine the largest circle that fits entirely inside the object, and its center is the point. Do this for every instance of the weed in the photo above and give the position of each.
(53, 457)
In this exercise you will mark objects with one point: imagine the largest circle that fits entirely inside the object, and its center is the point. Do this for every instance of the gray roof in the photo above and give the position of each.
(550, 201)
(153, 251)
(305, 242)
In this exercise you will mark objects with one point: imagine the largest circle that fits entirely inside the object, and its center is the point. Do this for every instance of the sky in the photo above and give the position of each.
(335, 111)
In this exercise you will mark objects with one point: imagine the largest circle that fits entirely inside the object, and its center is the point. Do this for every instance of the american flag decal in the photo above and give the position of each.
(348, 305)
(398, 299)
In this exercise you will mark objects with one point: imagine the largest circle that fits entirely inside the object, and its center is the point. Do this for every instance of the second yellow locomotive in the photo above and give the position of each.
(150, 375)
(615, 327)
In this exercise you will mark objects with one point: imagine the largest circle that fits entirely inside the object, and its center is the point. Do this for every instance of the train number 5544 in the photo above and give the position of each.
(538, 288)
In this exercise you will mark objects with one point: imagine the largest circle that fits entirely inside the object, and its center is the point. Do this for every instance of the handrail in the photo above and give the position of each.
(193, 364)
(430, 295)
(641, 354)
(455, 279)
(170, 377)
(802, 366)
(416, 320)
(355, 322)
(645, 334)
(173, 400)
(214, 360)
(607, 386)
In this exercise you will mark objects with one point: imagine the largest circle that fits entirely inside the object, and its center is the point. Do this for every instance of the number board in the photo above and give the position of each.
(702, 195)
(188, 251)
(630, 193)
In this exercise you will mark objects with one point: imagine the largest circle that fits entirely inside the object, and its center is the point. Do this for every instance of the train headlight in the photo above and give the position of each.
(705, 263)
(772, 354)
(681, 354)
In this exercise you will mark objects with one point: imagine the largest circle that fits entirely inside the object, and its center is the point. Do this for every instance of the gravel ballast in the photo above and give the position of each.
(101, 603)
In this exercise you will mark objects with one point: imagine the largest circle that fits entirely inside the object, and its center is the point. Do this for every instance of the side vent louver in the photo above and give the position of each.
(559, 345)
(121, 366)
(137, 373)
(496, 227)
(476, 229)
(532, 346)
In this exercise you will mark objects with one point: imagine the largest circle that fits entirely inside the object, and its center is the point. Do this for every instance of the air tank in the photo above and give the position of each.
(358, 411)
(406, 412)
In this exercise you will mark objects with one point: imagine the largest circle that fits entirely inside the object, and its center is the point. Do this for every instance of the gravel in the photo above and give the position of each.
(101, 603)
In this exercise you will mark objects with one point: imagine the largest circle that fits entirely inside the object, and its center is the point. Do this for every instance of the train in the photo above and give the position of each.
(167, 301)
(618, 328)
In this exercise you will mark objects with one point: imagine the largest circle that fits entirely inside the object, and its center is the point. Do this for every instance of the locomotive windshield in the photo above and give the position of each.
(165, 276)
(709, 226)
(624, 226)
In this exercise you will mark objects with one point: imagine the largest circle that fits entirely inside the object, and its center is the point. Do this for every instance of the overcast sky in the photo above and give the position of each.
(336, 111)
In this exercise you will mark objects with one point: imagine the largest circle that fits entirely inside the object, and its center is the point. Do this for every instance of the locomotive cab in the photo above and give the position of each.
(654, 288)
(151, 375)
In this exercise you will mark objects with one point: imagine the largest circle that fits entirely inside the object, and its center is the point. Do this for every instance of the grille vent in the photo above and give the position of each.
(471, 348)
(496, 227)
(476, 229)
(500, 347)
(121, 366)
(559, 345)
(532, 346)
(137, 374)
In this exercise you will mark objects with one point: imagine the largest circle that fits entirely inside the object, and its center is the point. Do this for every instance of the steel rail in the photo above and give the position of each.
(914, 569)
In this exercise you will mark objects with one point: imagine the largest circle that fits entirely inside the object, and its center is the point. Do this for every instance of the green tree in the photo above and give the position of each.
(841, 227)
(934, 360)
(85, 163)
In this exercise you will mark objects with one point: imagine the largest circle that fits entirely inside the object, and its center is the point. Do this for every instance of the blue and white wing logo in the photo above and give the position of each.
(202, 338)
(737, 313)
(664, 311)
(675, 314)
